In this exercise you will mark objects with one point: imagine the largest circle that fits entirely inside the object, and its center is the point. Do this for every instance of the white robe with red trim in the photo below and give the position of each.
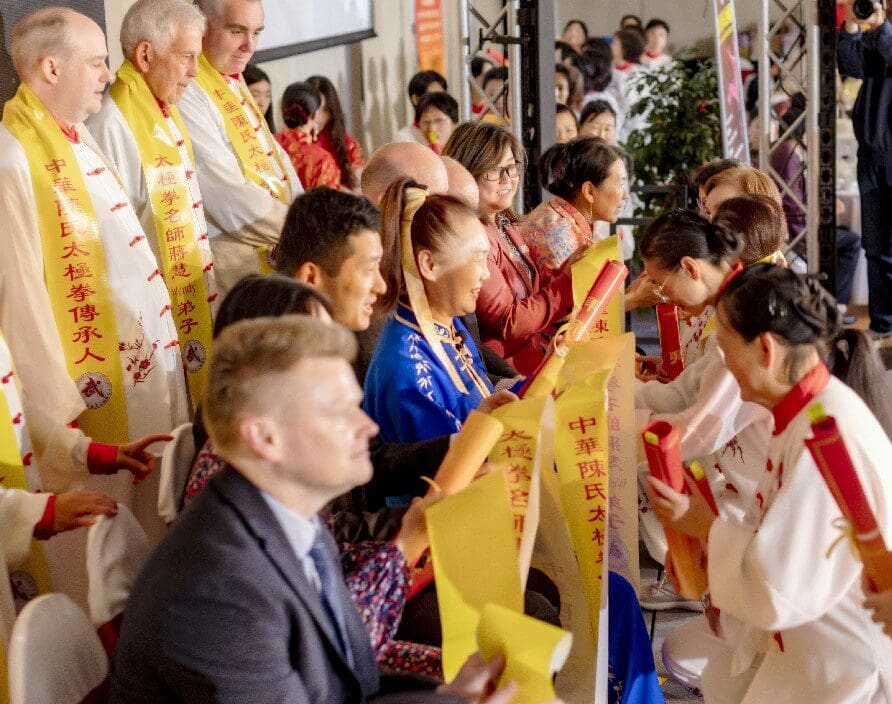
(153, 376)
(115, 138)
(241, 216)
(795, 614)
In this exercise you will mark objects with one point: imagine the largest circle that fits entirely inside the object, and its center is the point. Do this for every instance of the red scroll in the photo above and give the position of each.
(670, 340)
(830, 454)
(608, 281)
(662, 447)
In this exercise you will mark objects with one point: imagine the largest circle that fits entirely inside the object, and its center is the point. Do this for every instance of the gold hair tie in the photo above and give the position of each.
(414, 199)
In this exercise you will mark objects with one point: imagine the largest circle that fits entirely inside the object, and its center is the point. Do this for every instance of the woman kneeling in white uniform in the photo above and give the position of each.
(793, 612)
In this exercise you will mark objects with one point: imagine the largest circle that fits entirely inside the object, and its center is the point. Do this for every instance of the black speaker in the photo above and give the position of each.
(12, 12)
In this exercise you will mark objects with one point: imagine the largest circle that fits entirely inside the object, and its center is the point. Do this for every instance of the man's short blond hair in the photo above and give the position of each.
(46, 32)
(158, 22)
(746, 179)
(246, 352)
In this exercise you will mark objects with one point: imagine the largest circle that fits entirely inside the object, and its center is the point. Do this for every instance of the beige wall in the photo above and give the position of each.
(371, 80)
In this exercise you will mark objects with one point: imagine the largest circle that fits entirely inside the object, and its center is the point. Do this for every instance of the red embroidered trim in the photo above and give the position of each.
(808, 387)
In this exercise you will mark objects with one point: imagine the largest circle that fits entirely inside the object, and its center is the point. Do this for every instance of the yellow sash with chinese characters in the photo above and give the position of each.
(12, 468)
(74, 266)
(180, 256)
(255, 162)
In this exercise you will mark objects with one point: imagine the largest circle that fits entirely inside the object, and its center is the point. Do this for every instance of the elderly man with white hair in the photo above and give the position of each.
(140, 129)
(247, 181)
(82, 299)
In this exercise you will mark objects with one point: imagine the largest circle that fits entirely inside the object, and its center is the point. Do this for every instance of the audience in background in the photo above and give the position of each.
(598, 119)
(333, 137)
(575, 34)
(421, 83)
(568, 86)
(631, 22)
(566, 126)
(563, 52)
(480, 64)
(436, 115)
(656, 35)
(314, 166)
(261, 90)
(495, 87)
(627, 47)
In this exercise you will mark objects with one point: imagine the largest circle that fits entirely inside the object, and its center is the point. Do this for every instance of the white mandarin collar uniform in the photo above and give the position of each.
(795, 614)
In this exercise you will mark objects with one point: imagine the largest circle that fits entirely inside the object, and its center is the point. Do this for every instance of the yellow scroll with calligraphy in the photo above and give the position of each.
(581, 447)
(74, 264)
(524, 448)
(475, 562)
(165, 177)
(533, 650)
(259, 166)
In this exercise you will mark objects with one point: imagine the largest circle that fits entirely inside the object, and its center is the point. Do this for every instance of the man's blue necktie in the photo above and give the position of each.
(328, 592)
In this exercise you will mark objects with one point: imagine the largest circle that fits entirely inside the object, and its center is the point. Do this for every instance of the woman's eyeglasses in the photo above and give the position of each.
(511, 171)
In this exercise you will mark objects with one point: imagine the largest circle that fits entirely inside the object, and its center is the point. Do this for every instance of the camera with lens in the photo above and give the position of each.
(863, 9)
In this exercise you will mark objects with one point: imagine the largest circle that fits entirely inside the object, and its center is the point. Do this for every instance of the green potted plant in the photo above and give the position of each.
(683, 111)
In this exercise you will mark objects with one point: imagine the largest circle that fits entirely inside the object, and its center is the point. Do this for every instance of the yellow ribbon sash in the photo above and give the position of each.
(165, 177)
(12, 476)
(75, 268)
(415, 198)
(256, 162)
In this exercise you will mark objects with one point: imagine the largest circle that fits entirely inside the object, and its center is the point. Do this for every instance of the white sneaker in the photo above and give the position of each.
(661, 596)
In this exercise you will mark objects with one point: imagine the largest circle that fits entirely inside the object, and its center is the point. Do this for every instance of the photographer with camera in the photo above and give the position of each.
(865, 51)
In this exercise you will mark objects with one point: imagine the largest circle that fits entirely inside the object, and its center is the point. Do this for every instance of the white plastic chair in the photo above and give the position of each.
(176, 463)
(117, 548)
(55, 656)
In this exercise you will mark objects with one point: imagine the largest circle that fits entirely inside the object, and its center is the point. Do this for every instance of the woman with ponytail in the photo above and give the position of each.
(519, 305)
(426, 375)
(589, 183)
(314, 166)
(795, 607)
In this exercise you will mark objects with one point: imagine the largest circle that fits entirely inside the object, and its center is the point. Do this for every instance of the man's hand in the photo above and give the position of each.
(134, 458)
(687, 513)
(78, 509)
(499, 398)
(475, 682)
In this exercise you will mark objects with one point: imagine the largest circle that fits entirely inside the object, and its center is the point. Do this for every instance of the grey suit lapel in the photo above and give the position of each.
(246, 500)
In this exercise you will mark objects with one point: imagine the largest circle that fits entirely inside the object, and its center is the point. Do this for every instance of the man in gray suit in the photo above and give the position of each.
(244, 601)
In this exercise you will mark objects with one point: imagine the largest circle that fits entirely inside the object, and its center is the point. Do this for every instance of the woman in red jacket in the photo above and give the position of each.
(518, 307)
